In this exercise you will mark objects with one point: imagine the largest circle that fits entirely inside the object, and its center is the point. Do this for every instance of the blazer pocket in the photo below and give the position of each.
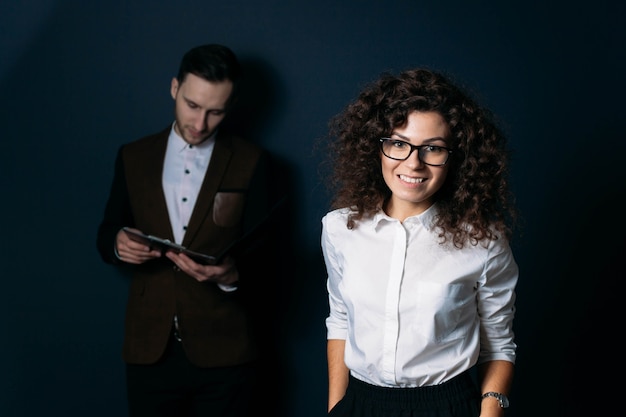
(228, 208)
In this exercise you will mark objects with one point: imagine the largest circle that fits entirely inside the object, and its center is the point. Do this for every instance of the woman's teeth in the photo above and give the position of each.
(411, 180)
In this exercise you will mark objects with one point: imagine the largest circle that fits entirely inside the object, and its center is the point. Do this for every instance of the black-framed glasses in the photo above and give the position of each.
(400, 150)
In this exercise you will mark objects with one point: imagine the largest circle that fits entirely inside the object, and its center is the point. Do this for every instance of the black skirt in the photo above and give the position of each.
(458, 397)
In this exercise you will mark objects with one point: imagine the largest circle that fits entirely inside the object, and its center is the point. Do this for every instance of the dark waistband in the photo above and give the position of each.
(460, 388)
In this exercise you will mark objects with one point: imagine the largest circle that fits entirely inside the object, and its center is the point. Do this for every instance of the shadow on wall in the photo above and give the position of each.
(572, 280)
(286, 299)
(260, 101)
(590, 295)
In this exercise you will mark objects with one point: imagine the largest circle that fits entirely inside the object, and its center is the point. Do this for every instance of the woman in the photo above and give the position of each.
(421, 277)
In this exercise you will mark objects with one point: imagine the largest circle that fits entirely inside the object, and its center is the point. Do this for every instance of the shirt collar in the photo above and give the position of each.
(178, 144)
(426, 218)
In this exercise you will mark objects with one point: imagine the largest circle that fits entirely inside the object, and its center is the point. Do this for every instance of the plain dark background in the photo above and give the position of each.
(78, 79)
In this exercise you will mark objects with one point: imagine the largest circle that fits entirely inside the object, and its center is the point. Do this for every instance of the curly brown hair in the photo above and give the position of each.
(475, 202)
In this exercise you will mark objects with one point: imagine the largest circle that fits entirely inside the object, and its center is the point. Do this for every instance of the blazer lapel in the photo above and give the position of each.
(220, 158)
(152, 195)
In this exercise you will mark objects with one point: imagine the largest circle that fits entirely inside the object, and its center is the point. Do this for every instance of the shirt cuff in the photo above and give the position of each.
(227, 288)
(117, 255)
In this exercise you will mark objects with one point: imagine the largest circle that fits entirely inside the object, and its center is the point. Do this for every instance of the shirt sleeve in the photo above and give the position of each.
(336, 322)
(496, 305)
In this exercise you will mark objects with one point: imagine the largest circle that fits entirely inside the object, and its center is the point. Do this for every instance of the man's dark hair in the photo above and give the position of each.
(213, 62)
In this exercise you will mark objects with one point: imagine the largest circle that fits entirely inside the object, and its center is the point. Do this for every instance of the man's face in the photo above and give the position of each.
(200, 107)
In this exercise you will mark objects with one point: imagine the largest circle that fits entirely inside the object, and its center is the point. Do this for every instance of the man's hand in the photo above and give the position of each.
(224, 274)
(133, 252)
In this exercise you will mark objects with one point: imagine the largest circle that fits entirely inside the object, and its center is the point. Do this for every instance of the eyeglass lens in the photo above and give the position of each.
(429, 154)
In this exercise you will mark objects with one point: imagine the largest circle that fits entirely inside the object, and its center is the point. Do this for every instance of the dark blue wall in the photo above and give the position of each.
(77, 79)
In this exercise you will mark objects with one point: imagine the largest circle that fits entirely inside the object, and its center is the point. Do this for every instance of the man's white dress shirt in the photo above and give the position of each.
(184, 169)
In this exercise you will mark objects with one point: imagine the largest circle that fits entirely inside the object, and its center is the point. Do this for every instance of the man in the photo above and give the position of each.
(189, 341)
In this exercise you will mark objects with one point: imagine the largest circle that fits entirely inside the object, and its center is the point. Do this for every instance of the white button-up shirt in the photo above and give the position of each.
(183, 173)
(414, 312)
(184, 170)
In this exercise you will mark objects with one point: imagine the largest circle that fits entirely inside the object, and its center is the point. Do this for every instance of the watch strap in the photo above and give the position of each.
(502, 399)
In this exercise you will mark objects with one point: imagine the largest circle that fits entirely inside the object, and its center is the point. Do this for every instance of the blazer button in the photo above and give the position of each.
(176, 268)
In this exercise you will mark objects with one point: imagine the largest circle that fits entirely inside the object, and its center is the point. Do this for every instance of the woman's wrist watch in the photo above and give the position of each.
(502, 399)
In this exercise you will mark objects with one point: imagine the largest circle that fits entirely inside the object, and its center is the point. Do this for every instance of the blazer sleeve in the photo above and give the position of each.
(117, 213)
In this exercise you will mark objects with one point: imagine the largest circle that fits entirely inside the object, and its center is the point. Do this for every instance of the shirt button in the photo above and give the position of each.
(186, 171)
(184, 199)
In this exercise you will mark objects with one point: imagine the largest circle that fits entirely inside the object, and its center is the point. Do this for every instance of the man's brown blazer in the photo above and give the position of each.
(214, 324)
